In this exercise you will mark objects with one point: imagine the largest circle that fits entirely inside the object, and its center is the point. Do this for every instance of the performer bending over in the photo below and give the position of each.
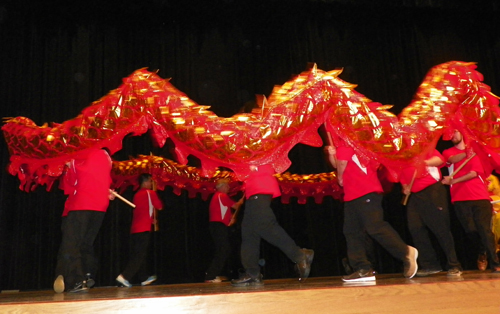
(146, 201)
(428, 208)
(87, 181)
(471, 200)
(363, 213)
(259, 222)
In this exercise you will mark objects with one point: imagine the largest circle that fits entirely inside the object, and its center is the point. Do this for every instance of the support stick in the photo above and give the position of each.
(122, 198)
(462, 165)
(407, 196)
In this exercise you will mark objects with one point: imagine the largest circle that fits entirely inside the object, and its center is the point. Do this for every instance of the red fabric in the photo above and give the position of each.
(262, 181)
(422, 180)
(87, 182)
(474, 189)
(221, 202)
(142, 220)
(356, 182)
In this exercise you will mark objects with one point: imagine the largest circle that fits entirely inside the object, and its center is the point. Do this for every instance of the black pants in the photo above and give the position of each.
(76, 254)
(429, 209)
(138, 262)
(365, 214)
(259, 222)
(475, 218)
(220, 236)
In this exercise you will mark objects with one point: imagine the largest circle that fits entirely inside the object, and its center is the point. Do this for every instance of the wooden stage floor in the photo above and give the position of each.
(474, 292)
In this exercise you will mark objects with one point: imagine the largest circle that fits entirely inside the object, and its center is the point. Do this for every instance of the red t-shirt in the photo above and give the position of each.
(431, 175)
(88, 181)
(359, 179)
(220, 208)
(470, 190)
(262, 181)
(143, 217)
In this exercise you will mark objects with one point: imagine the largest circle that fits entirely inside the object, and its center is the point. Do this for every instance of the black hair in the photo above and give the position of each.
(143, 177)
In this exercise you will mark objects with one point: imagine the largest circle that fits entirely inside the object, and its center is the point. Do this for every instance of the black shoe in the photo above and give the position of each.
(247, 280)
(360, 275)
(428, 271)
(90, 280)
(80, 287)
(454, 272)
(482, 261)
(304, 266)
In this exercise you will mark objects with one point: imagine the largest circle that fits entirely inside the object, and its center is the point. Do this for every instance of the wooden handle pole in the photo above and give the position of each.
(407, 196)
(122, 198)
(462, 165)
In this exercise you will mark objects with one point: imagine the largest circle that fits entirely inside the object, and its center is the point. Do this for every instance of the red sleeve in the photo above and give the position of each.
(155, 200)
(447, 153)
(68, 181)
(344, 153)
(437, 154)
(226, 200)
(406, 175)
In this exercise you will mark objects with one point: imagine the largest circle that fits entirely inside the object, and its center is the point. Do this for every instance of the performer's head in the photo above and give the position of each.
(222, 186)
(146, 181)
(457, 137)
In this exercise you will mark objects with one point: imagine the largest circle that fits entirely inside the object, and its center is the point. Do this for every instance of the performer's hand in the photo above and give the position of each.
(406, 189)
(241, 200)
(340, 181)
(232, 222)
(447, 180)
(111, 196)
(253, 168)
(331, 150)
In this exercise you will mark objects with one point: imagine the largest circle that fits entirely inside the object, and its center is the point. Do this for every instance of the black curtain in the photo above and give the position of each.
(57, 57)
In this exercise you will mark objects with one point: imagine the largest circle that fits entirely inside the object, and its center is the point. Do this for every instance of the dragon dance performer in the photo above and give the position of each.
(221, 218)
(363, 214)
(259, 222)
(471, 200)
(494, 190)
(87, 182)
(428, 208)
(146, 201)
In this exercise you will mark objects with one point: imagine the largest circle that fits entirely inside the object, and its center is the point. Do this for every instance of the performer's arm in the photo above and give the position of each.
(456, 158)
(332, 151)
(155, 200)
(236, 206)
(434, 161)
(450, 181)
(341, 165)
(447, 180)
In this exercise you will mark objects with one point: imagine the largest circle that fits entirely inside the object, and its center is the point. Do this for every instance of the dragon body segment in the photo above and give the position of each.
(452, 96)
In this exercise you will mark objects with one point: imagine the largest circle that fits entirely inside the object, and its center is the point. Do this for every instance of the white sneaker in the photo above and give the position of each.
(410, 262)
(59, 284)
(215, 280)
(148, 281)
(123, 282)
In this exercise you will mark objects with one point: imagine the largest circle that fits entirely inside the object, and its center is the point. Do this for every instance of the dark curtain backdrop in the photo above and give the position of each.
(57, 57)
